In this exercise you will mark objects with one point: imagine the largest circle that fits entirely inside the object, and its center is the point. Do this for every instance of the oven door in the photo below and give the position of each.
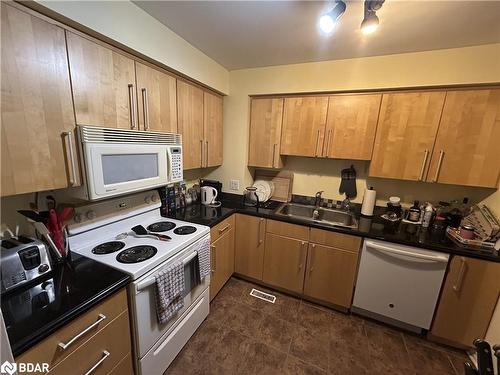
(115, 168)
(147, 330)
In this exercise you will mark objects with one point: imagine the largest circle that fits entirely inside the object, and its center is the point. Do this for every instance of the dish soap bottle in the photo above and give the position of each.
(414, 212)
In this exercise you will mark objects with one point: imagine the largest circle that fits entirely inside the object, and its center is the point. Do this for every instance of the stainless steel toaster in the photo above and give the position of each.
(23, 259)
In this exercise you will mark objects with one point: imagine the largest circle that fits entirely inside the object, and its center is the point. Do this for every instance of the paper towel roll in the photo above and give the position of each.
(368, 202)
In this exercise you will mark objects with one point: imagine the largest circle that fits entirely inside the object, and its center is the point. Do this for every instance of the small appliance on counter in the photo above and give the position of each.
(217, 185)
(394, 210)
(23, 260)
(209, 196)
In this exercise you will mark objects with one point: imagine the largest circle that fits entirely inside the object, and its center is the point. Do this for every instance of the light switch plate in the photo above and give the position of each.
(234, 184)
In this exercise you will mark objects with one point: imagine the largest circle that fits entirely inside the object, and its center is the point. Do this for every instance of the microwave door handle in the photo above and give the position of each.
(148, 282)
(169, 165)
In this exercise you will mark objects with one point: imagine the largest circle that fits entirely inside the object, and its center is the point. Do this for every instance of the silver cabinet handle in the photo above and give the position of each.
(206, 153)
(259, 239)
(424, 162)
(131, 98)
(438, 168)
(328, 140)
(72, 175)
(214, 268)
(201, 153)
(274, 155)
(460, 277)
(105, 354)
(64, 346)
(313, 247)
(317, 142)
(302, 244)
(145, 106)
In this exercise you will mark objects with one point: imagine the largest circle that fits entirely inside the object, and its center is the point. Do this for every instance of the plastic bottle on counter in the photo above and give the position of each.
(428, 212)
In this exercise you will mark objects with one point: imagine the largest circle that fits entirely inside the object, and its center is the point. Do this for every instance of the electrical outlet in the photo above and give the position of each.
(234, 184)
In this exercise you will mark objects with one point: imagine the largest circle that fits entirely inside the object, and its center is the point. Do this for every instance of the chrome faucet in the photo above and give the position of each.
(346, 204)
(317, 202)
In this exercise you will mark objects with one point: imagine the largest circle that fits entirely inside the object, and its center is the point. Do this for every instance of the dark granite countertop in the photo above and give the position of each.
(35, 311)
(375, 228)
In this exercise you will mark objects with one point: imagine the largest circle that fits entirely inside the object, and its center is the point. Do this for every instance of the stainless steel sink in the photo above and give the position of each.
(318, 215)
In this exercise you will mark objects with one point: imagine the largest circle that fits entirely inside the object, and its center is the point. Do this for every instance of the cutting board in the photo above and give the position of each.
(282, 180)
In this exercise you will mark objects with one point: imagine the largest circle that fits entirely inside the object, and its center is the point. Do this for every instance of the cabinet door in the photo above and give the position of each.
(103, 83)
(190, 123)
(37, 111)
(304, 122)
(266, 118)
(330, 274)
(157, 99)
(212, 129)
(249, 246)
(406, 131)
(285, 262)
(467, 149)
(351, 125)
(468, 299)
(222, 252)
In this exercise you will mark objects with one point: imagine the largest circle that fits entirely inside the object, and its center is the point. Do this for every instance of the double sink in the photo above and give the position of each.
(321, 215)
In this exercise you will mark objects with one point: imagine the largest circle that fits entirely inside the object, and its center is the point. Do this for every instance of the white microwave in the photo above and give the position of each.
(120, 161)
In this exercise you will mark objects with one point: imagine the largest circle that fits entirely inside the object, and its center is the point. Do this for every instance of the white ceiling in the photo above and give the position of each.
(246, 34)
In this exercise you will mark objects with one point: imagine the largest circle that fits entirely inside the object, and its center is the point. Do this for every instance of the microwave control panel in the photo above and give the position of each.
(176, 163)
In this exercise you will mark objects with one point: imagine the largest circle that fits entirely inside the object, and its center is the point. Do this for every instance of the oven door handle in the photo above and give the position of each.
(148, 282)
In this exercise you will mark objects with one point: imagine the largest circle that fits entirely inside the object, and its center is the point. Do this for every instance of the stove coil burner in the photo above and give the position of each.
(108, 247)
(161, 226)
(136, 254)
(186, 229)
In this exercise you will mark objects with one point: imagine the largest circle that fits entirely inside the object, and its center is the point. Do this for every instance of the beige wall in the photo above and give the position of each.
(477, 64)
(130, 25)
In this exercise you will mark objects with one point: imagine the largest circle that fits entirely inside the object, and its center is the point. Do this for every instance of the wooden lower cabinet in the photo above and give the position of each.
(468, 300)
(249, 246)
(111, 335)
(222, 261)
(285, 262)
(330, 274)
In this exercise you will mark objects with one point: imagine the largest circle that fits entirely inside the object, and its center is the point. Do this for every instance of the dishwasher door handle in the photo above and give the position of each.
(392, 250)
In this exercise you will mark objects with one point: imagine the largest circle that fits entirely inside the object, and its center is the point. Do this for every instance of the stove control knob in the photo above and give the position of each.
(78, 218)
(147, 200)
(91, 215)
(153, 198)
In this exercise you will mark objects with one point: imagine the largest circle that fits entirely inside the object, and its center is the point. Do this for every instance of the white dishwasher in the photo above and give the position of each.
(399, 284)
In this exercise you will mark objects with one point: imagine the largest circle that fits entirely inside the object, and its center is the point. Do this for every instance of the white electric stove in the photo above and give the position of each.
(103, 232)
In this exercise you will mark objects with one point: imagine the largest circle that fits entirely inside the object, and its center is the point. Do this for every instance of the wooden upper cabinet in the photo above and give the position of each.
(190, 123)
(157, 99)
(467, 148)
(212, 129)
(103, 83)
(468, 299)
(304, 121)
(37, 152)
(351, 126)
(266, 118)
(407, 127)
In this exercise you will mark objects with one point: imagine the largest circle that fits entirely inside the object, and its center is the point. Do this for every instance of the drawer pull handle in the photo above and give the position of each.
(222, 230)
(105, 354)
(64, 346)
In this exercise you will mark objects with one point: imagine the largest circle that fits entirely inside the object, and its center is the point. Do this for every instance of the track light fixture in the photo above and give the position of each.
(328, 20)
(370, 21)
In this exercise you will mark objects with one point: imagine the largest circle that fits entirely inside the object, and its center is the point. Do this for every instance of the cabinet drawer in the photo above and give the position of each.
(49, 350)
(124, 367)
(337, 240)
(106, 349)
(288, 230)
(221, 228)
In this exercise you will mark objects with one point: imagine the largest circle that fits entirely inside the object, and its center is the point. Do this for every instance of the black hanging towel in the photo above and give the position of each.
(348, 183)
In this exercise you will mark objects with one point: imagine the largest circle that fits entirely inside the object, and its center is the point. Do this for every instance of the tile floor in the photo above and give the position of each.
(245, 335)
